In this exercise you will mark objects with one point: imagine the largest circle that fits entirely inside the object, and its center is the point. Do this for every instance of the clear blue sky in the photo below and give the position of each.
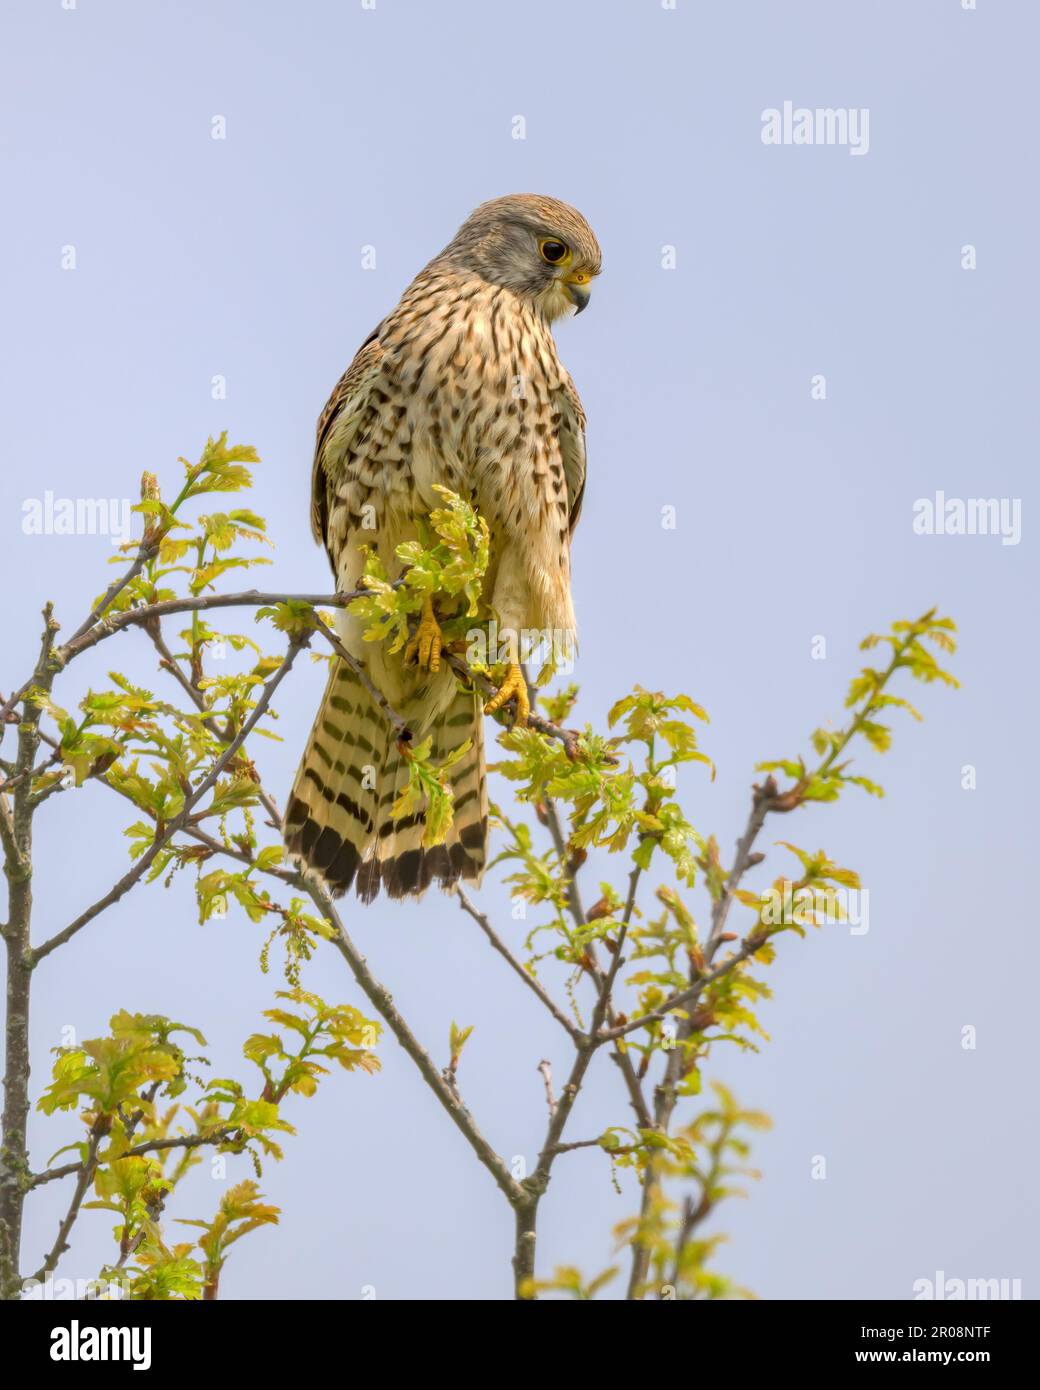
(349, 127)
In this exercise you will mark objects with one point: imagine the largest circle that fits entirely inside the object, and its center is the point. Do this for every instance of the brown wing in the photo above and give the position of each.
(344, 412)
(572, 446)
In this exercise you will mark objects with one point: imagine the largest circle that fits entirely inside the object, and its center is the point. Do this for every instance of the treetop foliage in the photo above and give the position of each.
(659, 984)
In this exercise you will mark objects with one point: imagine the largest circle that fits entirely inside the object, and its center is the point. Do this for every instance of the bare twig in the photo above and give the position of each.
(580, 1144)
(381, 999)
(147, 551)
(552, 820)
(503, 950)
(389, 713)
(762, 801)
(545, 1067)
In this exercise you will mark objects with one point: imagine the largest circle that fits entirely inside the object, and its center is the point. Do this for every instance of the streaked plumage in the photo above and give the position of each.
(460, 385)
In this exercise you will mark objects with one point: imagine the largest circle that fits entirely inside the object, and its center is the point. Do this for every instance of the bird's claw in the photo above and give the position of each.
(514, 686)
(425, 646)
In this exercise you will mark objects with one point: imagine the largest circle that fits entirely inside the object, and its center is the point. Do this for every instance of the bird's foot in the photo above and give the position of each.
(514, 686)
(425, 647)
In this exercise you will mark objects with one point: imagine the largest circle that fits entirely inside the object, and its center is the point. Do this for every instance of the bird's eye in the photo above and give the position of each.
(553, 251)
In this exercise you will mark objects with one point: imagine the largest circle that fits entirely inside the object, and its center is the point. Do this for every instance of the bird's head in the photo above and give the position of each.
(541, 249)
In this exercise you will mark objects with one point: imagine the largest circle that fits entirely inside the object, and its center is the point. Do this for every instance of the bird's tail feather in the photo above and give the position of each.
(338, 820)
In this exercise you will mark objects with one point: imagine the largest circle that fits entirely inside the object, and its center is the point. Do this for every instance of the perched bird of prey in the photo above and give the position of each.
(459, 386)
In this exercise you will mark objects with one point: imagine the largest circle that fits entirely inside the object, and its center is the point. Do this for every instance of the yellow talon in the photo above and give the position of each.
(425, 647)
(514, 685)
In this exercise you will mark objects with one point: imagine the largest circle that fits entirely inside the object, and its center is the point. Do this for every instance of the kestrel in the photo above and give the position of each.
(459, 386)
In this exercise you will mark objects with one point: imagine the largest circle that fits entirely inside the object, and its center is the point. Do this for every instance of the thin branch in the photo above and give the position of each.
(545, 1067)
(635, 1091)
(583, 1144)
(392, 717)
(47, 765)
(149, 612)
(215, 846)
(558, 1120)
(503, 950)
(552, 820)
(146, 551)
(169, 663)
(682, 998)
(619, 941)
(132, 1247)
(694, 1213)
(86, 1175)
(148, 1146)
(31, 773)
(381, 999)
(10, 703)
(762, 799)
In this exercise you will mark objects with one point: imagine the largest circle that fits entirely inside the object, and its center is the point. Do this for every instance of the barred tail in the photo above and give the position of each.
(338, 820)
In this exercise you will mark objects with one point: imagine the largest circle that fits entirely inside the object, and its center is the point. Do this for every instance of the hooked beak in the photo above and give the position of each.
(578, 289)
